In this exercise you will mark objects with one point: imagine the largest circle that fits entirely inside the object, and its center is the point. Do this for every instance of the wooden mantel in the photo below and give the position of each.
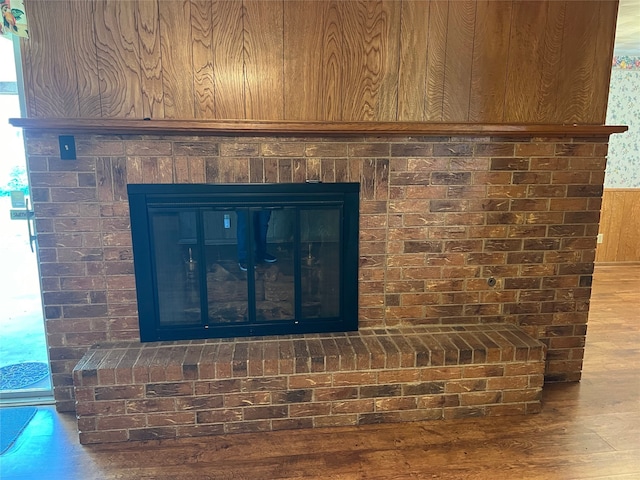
(265, 127)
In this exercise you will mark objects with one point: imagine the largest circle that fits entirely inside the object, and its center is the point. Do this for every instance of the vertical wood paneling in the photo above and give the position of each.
(148, 27)
(490, 53)
(52, 60)
(27, 73)
(534, 54)
(118, 64)
(202, 37)
(412, 74)
(580, 31)
(436, 54)
(263, 59)
(332, 98)
(459, 58)
(177, 58)
(303, 59)
(602, 61)
(620, 226)
(547, 93)
(379, 60)
(312, 60)
(371, 59)
(228, 59)
(89, 99)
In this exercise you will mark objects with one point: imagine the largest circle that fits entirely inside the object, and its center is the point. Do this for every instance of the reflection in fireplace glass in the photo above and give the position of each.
(273, 261)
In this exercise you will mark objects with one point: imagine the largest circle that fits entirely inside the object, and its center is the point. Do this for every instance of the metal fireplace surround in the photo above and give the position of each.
(237, 260)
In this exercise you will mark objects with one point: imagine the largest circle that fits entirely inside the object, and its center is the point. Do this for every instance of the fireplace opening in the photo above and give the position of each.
(235, 260)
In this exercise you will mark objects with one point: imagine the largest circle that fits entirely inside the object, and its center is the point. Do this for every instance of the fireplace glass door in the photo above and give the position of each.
(236, 264)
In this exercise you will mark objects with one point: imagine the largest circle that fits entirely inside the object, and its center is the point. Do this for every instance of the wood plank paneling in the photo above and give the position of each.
(202, 37)
(177, 59)
(534, 48)
(302, 68)
(27, 74)
(459, 59)
(52, 62)
(312, 60)
(490, 51)
(620, 226)
(543, 61)
(579, 32)
(263, 54)
(228, 59)
(412, 72)
(371, 59)
(602, 61)
(148, 28)
(436, 59)
(118, 59)
(84, 46)
(332, 98)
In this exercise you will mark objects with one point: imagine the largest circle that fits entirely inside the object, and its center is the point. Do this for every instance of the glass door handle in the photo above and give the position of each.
(32, 235)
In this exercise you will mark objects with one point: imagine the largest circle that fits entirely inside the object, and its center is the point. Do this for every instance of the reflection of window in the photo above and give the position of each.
(241, 264)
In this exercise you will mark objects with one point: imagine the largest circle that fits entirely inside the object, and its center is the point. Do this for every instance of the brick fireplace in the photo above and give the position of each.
(461, 236)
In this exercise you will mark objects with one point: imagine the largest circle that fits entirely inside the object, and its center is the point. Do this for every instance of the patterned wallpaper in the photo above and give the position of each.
(623, 164)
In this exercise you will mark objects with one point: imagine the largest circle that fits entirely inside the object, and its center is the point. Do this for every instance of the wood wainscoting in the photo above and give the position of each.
(619, 226)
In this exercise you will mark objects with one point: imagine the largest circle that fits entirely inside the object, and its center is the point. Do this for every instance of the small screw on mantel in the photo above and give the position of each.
(491, 281)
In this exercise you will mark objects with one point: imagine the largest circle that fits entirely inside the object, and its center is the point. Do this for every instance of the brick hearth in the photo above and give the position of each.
(133, 391)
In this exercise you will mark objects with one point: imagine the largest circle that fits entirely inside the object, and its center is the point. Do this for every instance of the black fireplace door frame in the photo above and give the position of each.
(145, 199)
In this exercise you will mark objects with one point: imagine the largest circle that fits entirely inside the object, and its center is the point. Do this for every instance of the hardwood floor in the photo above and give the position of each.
(587, 430)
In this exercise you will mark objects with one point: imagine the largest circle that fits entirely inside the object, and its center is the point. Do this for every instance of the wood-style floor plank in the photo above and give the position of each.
(587, 430)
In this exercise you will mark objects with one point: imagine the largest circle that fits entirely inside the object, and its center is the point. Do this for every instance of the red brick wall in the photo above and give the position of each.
(439, 216)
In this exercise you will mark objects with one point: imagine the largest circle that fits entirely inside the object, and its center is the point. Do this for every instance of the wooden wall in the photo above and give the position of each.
(620, 226)
(538, 61)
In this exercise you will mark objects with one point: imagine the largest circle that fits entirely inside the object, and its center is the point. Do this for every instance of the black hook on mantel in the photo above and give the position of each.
(67, 147)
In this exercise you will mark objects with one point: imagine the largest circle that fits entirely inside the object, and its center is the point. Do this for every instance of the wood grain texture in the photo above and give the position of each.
(89, 97)
(436, 59)
(459, 60)
(148, 28)
(28, 72)
(263, 54)
(585, 430)
(220, 127)
(371, 56)
(489, 66)
(533, 62)
(52, 62)
(332, 99)
(619, 226)
(580, 29)
(542, 61)
(118, 59)
(412, 71)
(177, 58)
(303, 62)
(602, 66)
(202, 37)
(312, 60)
(228, 59)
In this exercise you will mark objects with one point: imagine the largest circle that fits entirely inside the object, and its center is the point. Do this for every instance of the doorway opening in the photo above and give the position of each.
(25, 375)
